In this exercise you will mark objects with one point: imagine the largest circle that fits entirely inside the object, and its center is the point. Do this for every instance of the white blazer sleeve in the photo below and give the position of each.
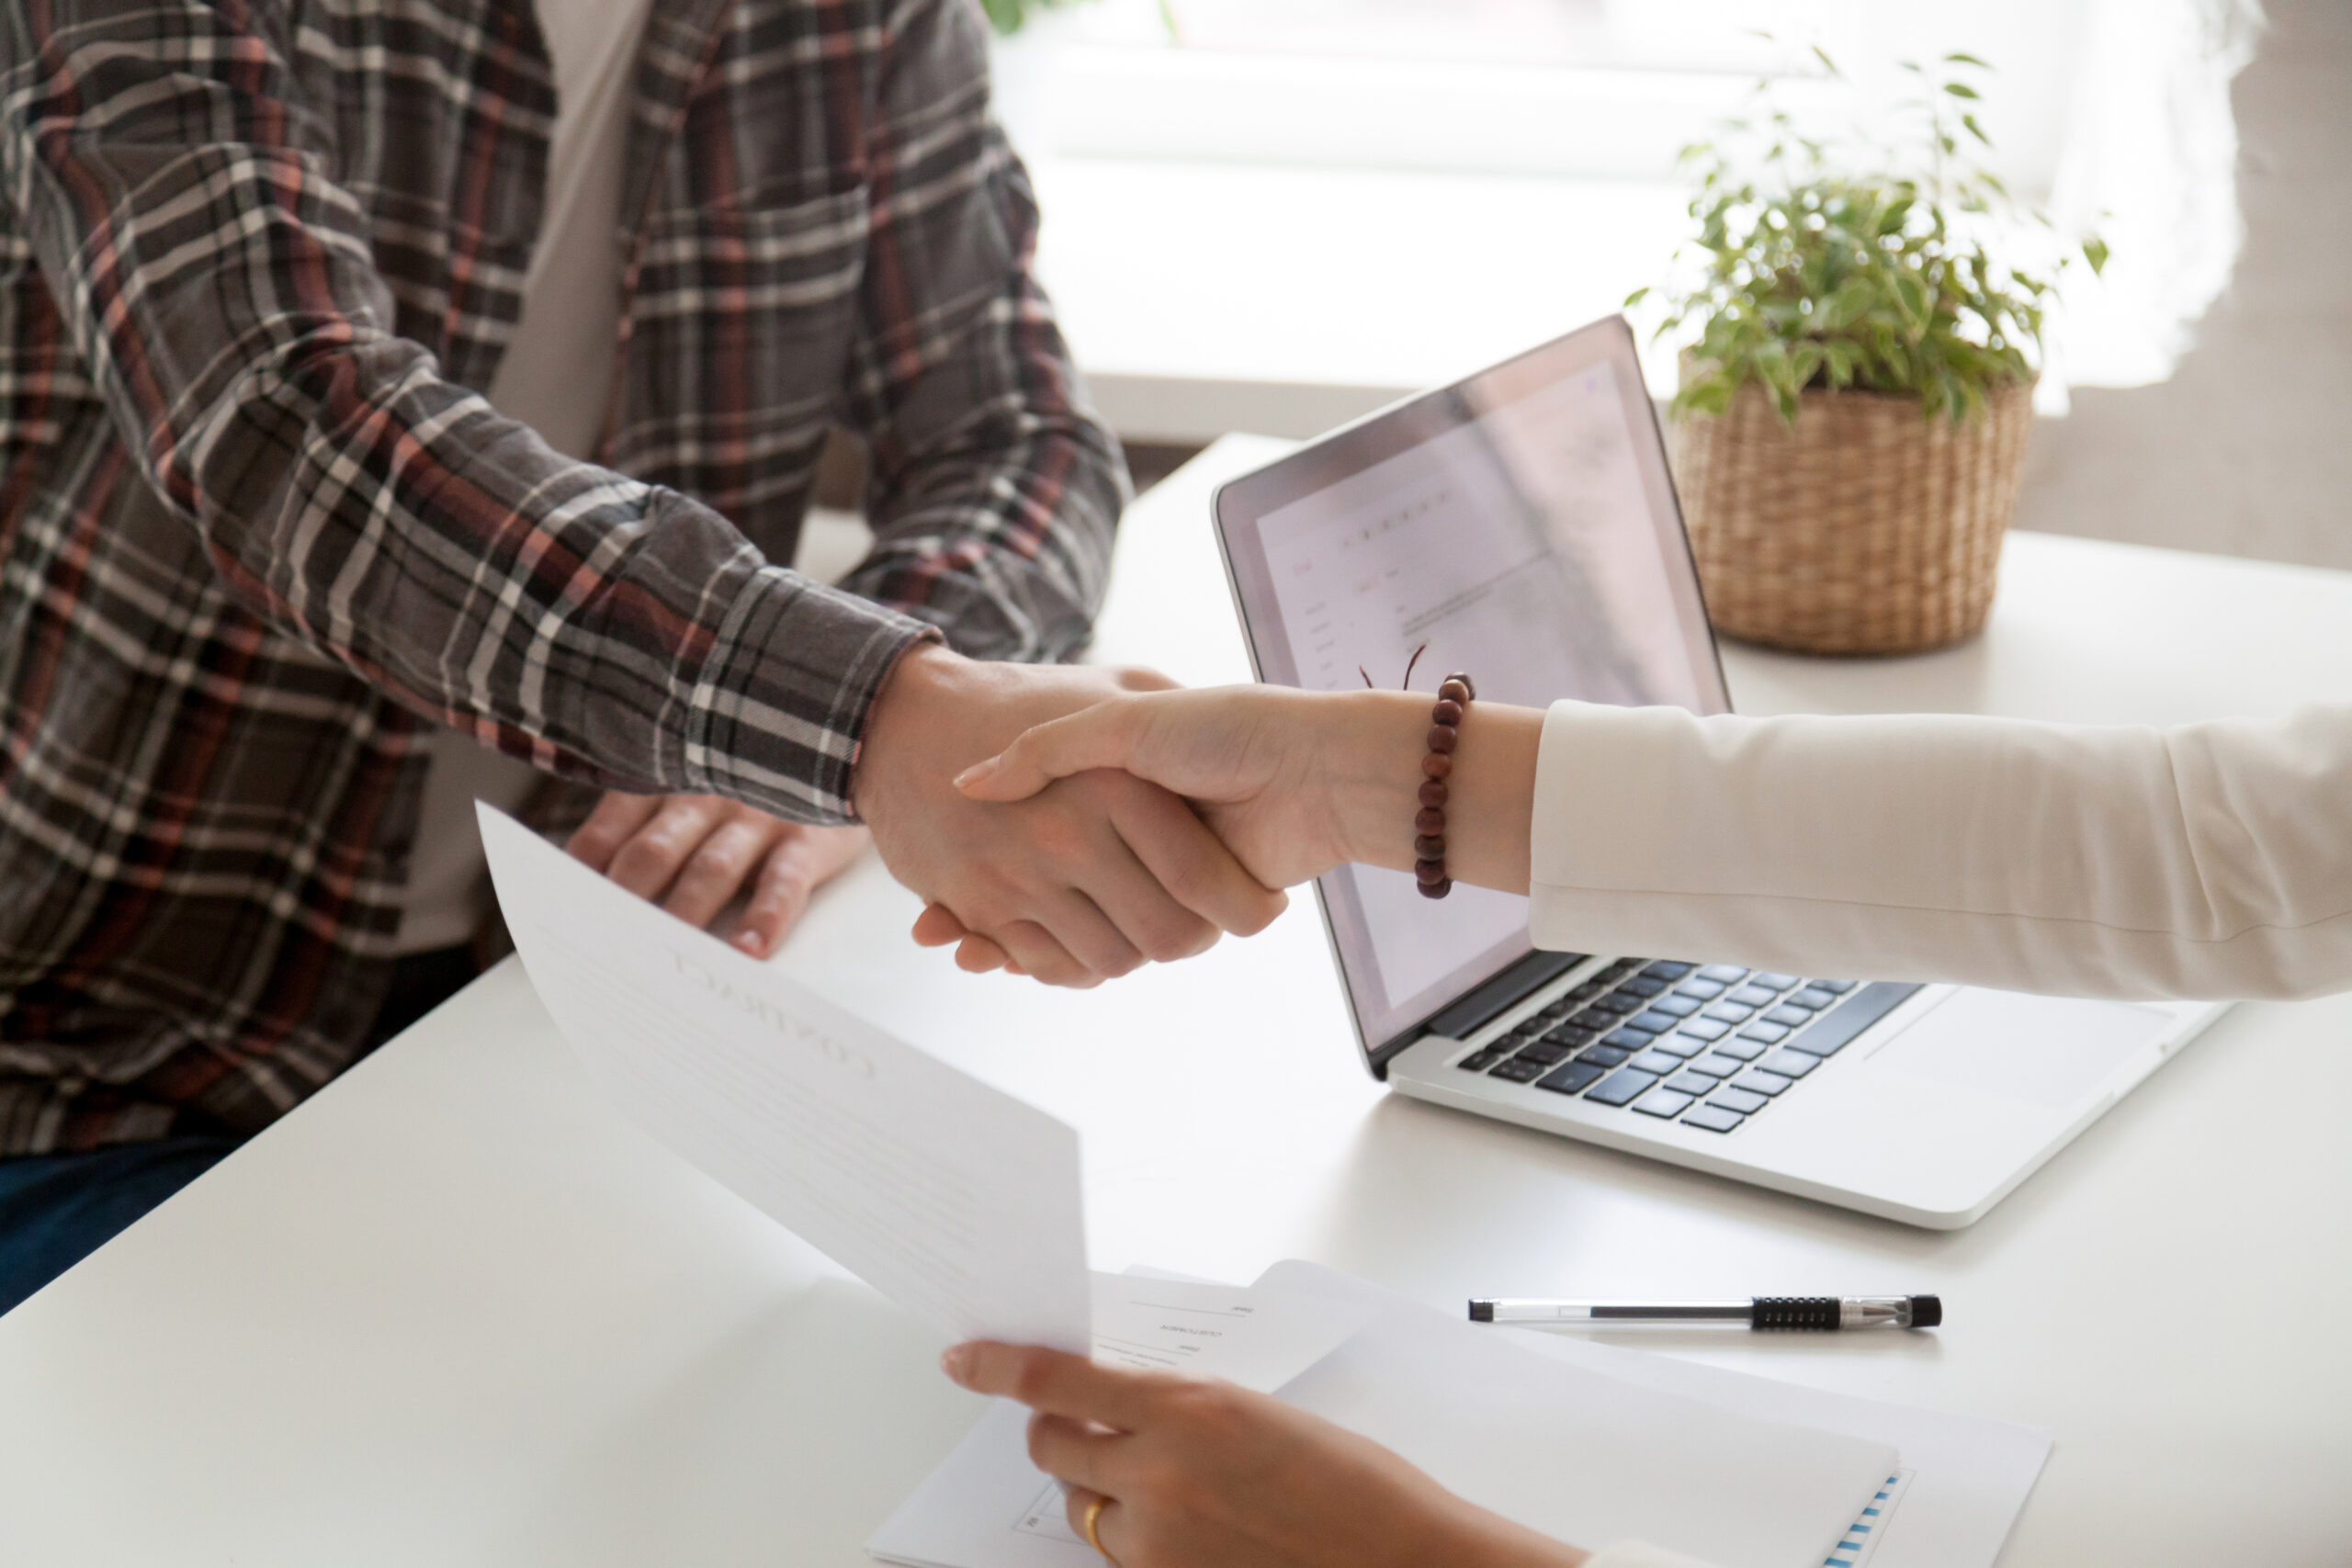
(2210, 861)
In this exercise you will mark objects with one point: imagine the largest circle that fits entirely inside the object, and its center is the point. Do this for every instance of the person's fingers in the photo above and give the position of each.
(1075, 1452)
(1077, 1503)
(720, 866)
(801, 860)
(1192, 863)
(649, 860)
(938, 927)
(1103, 735)
(1143, 678)
(616, 818)
(1035, 950)
(1151, 918)
(1054, 1382)
(1090, 936)
(978, 955)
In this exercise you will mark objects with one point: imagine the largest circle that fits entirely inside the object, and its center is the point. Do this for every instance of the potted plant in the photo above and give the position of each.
(1857, 386)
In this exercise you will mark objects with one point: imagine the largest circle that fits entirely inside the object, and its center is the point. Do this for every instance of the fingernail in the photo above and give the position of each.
(974, 774)
(953, 1361)
(750, 942)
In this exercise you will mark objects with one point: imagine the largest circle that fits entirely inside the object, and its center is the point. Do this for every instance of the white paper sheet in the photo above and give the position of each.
(1582, 1456)
(955, 1201)
(986, 1507)
(1962, 1482)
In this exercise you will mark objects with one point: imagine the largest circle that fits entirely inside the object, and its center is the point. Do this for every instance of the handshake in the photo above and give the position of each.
(1071, 823)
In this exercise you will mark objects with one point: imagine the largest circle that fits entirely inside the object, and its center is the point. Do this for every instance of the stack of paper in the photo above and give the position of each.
(962, 1204)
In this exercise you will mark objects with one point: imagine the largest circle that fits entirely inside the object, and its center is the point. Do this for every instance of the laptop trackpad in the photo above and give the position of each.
(2047, 1051)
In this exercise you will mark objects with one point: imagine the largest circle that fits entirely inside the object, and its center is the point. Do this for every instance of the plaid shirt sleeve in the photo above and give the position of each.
(995, 490)
(182, 200)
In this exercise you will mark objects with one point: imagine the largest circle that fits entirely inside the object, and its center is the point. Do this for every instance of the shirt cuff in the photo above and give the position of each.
(783, 699)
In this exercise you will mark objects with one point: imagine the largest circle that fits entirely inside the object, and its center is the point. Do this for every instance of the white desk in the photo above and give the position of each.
(454, 1310)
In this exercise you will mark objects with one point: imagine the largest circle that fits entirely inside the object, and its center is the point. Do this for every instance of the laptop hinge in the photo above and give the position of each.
(1474, 1009)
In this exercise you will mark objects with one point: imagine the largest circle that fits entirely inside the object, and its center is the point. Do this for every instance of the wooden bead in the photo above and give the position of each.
(1456, 687)
(1429, 820)
(1438, 889)
(1437, 765)
(1447, 711)
(1434, 792)
(1429, 871)
(1443, 737)
(1429, 846)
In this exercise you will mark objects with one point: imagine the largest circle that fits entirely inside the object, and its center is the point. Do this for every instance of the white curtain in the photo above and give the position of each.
(2150, 160)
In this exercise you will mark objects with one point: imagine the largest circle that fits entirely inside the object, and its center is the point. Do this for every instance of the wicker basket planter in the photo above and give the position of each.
(1865, 528)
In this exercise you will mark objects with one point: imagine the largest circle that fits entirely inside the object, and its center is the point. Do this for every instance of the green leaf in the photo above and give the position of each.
(1960, 90)
(1636, 298)
(1975, 130)
(2094, 253)
(1958, 58)
(1826, 64)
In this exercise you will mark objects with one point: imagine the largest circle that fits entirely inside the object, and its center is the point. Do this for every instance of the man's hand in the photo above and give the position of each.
(697, 854)
(1196, 1474)
(1085, 879)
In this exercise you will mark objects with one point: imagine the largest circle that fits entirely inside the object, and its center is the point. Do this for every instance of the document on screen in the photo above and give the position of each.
(953, 1199)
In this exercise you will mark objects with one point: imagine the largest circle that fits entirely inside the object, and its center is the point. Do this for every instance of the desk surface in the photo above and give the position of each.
(455, 1311)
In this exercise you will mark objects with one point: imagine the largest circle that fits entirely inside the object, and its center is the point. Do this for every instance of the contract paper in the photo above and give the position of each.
(1950, 1502)
(986, 1507)
(955, 1201)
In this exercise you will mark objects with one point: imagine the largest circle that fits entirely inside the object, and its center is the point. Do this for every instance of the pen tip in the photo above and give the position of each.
(1927, 1312)
(1482, 1312)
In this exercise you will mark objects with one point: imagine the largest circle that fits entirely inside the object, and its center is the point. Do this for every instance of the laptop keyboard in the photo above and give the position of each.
(1707, 1046)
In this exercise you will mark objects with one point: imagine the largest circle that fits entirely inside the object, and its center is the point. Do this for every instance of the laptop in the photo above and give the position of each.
(1522, 525)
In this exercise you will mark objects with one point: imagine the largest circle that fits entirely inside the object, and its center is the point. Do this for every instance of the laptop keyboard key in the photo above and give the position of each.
(1765, 1034)
(1747, 1101)
(1813, 998)
(1753, 997)
(1707, 1029)
(1788, 1017)
(1641, 986)
(1755, 1078)
(1841, 1024)
(1574, 1078)
(1657, 1062)
(1623, 1087)
(1571, 1035)
(1689, 1082)
(1544, 1053)
(1789, 1064)
(1741, 1049)
(1518, 1071)
(1716, 1064)
(1675, 1045)
(1616, 1003)
(1662, 1102)
(1777, 982)
(1479, 1061)
(1713, 1119)
(1731, 1012)
(1669, 970)
(1656, 1022)
(1835, 987)
(1723, 973)
(1699, 991)
(1675, 1007)
(1631, 1038)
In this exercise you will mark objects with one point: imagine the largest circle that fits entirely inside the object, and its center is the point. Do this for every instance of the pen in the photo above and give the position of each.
(1820, 1313)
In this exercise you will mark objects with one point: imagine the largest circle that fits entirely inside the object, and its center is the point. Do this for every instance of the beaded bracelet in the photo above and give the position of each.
(1453, 695)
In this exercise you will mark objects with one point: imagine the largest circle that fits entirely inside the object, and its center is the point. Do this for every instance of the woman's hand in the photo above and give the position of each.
(1296, 783)
(1199, 1475)
(696, 855)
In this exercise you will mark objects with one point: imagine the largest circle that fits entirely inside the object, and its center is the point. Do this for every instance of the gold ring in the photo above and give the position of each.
(1092, 1518)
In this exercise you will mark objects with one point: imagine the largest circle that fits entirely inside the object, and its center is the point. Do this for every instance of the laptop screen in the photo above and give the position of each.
(1519, 524)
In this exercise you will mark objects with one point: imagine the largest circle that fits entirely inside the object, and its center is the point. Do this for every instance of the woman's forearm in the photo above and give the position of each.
(1376, 756)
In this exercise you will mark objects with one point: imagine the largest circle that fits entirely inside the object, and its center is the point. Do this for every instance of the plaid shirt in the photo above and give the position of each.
(253, 254)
